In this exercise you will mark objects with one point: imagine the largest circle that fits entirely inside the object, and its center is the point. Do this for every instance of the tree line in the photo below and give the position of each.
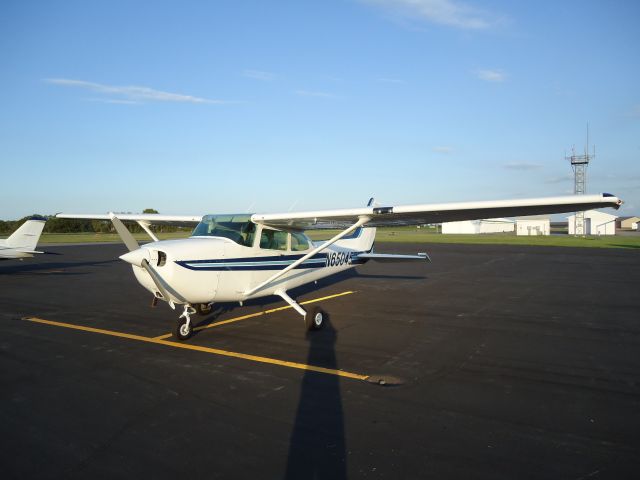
(68, 225)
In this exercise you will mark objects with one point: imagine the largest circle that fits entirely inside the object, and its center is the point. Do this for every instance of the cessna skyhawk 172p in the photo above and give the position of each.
(233, 258)
(22, 243)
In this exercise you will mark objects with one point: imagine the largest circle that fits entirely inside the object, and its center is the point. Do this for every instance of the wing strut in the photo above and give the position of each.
(145, 226)
(359, 223)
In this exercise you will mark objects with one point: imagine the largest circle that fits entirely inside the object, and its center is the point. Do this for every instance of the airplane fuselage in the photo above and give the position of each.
(216, 269)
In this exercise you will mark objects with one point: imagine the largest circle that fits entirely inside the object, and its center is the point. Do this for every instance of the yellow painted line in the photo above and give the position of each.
(186, 346)
(257, 314)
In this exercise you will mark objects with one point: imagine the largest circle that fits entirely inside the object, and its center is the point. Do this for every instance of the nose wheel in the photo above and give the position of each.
(184, 327)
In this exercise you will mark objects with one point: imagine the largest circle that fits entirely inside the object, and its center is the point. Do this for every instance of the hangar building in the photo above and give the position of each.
(533, 225)
(595, 223)
(627, 223)
(489, 225)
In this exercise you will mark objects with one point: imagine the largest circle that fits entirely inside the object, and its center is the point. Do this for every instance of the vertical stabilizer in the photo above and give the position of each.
(362, 238)
(26, 237)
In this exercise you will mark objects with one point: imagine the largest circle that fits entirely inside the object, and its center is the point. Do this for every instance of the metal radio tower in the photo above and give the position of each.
(579, 165)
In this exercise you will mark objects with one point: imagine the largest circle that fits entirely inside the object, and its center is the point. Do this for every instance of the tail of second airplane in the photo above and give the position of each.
(26, 237)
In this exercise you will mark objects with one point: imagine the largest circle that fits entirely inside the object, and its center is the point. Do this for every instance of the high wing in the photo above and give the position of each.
(148, 218)
(434, 213)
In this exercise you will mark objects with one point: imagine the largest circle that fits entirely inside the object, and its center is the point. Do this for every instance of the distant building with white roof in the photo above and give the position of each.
(533, 225)
(489, 225)
(595, 223)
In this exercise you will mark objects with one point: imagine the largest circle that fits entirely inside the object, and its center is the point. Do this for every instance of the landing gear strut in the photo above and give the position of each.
(313, 319)
(184, 328)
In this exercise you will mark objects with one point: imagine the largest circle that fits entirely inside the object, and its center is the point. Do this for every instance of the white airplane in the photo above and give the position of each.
(22, 242)
(233, 258)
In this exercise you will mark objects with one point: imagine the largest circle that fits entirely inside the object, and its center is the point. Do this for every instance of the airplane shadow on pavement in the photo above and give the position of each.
(317, 442)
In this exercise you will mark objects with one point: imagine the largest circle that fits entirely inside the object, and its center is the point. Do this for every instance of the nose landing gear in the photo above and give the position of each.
(184, 328)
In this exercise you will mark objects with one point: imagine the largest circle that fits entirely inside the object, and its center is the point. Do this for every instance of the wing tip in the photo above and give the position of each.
(618, 202)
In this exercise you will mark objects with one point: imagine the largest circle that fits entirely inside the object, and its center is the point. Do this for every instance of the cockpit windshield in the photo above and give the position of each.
(236, 227)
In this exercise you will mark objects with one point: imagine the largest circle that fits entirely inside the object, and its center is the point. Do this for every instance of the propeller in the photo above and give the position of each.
(124, 233)
(137, 256)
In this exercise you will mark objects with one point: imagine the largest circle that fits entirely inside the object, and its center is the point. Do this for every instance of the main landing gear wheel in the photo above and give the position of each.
(315, 318)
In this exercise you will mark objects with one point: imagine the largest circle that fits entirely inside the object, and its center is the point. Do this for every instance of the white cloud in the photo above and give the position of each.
(307, 93)
(114, 101)
(443, 149)
(522, 166)
(452, 13)
(131, 93)
(259, 75)
(491, 75)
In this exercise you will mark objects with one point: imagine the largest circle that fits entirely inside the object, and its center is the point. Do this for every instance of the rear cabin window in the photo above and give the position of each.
(238, 228)
(299, 242)
(273, 239)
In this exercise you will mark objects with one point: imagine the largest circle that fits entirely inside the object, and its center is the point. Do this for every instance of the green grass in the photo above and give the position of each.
(413, 235)
(103, 237)
(400, 235)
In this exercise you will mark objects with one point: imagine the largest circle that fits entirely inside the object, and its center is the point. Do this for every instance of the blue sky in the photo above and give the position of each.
(196, 107)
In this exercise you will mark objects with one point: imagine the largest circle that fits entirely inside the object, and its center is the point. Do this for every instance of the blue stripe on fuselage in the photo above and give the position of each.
(262, 263)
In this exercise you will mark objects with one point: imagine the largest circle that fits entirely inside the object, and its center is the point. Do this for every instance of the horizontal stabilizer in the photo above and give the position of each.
(388, 257)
